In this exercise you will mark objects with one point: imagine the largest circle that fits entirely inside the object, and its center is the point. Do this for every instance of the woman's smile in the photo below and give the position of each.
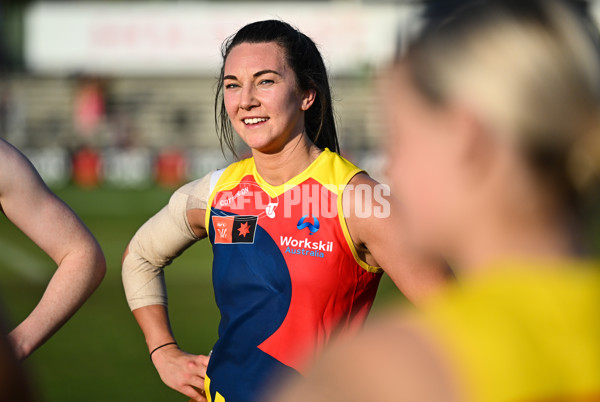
(254, 122)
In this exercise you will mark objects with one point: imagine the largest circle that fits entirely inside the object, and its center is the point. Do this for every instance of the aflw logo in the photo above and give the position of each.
(288, 241)
(234, 229)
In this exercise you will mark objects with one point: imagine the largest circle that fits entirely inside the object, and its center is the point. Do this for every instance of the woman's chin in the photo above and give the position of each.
(264, 146)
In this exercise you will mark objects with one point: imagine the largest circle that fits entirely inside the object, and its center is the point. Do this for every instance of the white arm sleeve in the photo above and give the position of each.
(162, 238)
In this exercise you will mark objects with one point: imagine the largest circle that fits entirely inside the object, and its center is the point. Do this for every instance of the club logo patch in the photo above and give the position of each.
(234, 229)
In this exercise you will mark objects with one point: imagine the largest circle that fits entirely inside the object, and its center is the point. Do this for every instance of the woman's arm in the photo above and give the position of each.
(55, 228)
(376, 227)
(393, 360)
(161, 239)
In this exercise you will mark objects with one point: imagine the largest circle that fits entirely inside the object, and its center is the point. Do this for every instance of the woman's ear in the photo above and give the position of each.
(308, 98)
(475, 145)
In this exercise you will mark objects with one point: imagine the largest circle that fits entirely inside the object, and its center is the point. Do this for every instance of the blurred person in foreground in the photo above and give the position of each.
(286, 283)
(55, 228)
(494, 149)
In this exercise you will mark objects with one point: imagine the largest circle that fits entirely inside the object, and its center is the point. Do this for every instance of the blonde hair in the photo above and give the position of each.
(531, 69)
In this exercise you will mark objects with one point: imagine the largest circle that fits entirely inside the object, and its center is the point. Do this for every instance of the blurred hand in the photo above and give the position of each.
(182, 371)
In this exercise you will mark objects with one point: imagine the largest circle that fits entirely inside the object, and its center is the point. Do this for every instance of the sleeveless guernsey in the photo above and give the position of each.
(523, 333)
(286, 275)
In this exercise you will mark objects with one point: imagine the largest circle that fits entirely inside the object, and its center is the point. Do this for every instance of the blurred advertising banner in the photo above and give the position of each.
(185, 38)
(53, 164)
(135, 168)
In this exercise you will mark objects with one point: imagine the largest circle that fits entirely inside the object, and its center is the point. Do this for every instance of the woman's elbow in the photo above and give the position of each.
(92, 257)
(98, 262)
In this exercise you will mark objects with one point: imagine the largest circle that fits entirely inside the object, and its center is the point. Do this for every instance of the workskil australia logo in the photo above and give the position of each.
(313, 227)
(305, 246)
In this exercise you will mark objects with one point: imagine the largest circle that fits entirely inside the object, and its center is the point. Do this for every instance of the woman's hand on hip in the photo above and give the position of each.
(182, 371)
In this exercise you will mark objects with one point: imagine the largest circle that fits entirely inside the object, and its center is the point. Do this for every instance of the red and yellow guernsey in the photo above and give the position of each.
(286, 275)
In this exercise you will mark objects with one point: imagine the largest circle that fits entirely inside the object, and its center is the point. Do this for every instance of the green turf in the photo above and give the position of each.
(100, 354)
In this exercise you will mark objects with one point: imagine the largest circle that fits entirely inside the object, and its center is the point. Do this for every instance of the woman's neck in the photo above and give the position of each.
(279, 167)
(492, 242)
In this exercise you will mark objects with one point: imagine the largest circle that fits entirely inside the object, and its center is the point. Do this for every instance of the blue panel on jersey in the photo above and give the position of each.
(253, 291)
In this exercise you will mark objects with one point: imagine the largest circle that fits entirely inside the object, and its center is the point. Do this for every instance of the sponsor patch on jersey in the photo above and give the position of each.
(234, 229)
(305, 246)
(312, 227)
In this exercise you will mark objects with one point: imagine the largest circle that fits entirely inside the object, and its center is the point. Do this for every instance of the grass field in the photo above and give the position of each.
(100, 354)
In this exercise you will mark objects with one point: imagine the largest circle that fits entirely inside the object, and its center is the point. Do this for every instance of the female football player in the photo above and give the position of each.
(300, 235)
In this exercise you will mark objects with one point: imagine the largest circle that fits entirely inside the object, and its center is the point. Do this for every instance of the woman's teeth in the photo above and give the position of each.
(256, 120)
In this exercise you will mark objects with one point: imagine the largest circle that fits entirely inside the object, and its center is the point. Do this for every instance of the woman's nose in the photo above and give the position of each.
(248, 99)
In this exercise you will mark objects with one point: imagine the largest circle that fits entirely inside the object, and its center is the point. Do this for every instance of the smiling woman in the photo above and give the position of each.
(287, 278)
(263, 105)
(296, 57)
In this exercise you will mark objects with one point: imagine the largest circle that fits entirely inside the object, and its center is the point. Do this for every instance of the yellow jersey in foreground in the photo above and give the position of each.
(523, 332)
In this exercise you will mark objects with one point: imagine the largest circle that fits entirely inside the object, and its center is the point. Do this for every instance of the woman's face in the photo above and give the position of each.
(262, 98)
(425, 165)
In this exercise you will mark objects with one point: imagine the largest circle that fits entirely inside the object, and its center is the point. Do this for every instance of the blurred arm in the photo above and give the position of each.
(392, 361)
(55, 228)
(381, 241)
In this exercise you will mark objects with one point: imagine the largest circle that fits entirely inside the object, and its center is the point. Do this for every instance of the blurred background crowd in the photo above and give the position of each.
(121, 93)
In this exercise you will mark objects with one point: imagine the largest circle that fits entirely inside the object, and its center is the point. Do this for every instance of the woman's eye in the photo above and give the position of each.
(231, 86)
(266, 82)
